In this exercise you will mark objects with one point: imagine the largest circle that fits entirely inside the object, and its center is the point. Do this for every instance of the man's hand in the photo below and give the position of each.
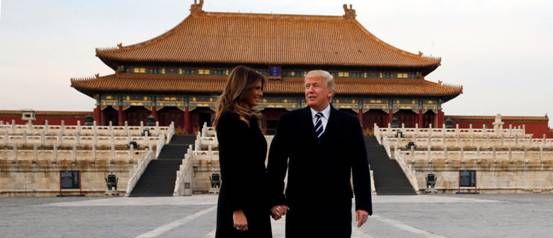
(278, 211)
(240, 221)
(361, 217)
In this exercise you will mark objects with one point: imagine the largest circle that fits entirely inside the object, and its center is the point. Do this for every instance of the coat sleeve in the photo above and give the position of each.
(229, 132)
(278, 162)
(360, 169)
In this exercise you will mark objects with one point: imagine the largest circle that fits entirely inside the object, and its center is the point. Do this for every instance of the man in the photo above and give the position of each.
(321, 148)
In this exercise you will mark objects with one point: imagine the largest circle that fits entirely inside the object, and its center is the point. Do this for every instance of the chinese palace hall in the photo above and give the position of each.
(178, 75)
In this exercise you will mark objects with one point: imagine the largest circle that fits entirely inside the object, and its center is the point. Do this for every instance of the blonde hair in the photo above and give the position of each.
(240, 81)
(329, 79)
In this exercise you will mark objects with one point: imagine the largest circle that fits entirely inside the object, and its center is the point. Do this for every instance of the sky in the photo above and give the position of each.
(498, 50)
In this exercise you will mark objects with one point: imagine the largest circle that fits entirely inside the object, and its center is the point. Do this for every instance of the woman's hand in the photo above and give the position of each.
(239, 220)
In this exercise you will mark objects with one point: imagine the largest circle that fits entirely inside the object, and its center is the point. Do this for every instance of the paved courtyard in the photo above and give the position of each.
(528, 215)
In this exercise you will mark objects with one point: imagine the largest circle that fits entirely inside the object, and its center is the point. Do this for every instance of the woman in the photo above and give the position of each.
(243, 208)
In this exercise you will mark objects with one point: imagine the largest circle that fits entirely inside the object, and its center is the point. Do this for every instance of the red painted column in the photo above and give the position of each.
(120, 116)
(98, 114)
(154, 113)
(360, 117)
(124, 113)
(440, 119)
(187, 122)
(390, 116)
(420, 119)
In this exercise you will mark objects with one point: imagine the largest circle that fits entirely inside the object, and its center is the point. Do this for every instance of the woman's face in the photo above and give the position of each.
(254, 95)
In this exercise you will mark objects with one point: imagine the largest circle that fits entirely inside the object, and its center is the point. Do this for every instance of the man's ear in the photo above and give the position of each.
(330, 94)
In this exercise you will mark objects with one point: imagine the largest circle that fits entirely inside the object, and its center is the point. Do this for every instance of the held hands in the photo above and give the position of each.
(239, 220)
(361, 217)
(278, 211)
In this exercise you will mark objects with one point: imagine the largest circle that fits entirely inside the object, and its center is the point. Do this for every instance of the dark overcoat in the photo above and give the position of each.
(320, 173)
(244, 181)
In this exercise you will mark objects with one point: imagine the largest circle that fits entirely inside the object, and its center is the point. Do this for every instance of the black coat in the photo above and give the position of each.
(319, 189)
(242, 152)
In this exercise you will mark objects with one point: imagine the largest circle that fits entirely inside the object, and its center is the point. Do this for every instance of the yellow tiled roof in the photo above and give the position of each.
(274, 39)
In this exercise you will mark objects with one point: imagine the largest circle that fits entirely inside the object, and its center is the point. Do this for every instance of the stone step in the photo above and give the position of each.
(389, 178)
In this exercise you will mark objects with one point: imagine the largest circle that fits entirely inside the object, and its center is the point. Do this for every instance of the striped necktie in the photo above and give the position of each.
(318, 124)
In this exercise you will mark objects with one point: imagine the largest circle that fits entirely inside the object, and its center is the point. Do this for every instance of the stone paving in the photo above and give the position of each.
(525, 215)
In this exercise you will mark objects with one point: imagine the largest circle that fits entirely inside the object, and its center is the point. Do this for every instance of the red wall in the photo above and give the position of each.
(54, 118)
(538, 126)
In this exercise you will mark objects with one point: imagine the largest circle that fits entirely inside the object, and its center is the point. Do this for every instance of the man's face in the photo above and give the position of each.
(317, 93)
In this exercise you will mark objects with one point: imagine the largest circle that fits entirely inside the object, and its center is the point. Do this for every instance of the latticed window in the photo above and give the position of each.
(188, 71)
(385, 75)
(372, 74)
(342, 74)
(171, 70)
(155, 70)
(358, 74)
(218, 72)
(203, 71)
(295, 73)
(139, 70)
(402, 75)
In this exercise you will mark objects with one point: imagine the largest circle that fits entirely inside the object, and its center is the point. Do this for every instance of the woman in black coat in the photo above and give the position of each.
(243, 207)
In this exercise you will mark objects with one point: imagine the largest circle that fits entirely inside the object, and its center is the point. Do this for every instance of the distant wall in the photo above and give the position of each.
(53, 117)
(537, 126)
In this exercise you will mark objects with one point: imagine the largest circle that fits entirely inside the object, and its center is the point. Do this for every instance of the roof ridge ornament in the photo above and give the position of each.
(349, 12)
(196, 7)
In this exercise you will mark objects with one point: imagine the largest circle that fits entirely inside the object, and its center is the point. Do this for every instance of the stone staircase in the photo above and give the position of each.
(389, 178)
(159, 178)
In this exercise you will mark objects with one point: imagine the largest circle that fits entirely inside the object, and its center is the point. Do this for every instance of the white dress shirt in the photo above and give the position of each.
(324, 118)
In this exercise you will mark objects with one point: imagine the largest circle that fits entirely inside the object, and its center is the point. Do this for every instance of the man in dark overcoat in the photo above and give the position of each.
(322, 152)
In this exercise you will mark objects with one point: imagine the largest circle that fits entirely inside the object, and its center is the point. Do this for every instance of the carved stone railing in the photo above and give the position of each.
(449, 142)
(409, 172)
(137, 171)
(159, 146)
(78, 129)
(170, 132)
(22, 140)
(449, 132)
(183, 182)
(491, 155)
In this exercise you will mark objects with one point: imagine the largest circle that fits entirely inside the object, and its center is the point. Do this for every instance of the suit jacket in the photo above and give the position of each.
(319, 169)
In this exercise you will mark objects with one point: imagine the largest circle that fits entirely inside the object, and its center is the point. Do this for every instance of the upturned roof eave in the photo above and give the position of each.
(91, 91)
(114, 61)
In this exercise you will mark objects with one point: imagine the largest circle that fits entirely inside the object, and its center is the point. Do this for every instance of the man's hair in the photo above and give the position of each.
(329, 79)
